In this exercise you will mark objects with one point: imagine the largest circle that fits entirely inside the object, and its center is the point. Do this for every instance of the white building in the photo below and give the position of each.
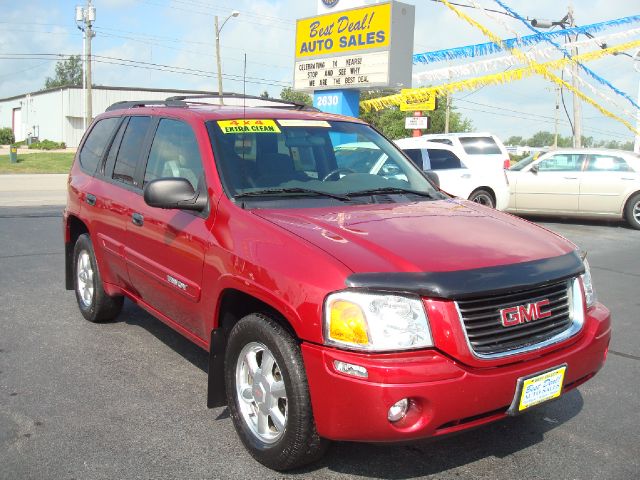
(58, 113)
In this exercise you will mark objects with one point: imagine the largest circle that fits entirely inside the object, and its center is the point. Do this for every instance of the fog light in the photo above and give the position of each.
(398, 410)
(350, 369)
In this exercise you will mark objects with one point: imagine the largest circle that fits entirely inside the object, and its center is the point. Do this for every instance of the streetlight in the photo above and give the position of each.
(235, 13)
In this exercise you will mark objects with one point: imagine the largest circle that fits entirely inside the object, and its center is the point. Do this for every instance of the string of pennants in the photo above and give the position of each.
(529, 59)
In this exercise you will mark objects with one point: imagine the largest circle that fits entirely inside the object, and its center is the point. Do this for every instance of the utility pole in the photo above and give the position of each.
(577, 105)
(87, 15)
(555, 137)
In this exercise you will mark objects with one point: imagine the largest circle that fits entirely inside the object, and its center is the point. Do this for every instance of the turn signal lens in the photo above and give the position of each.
(347, 323)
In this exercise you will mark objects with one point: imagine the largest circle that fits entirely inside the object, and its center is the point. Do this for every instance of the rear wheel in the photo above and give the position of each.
(94, 303)
(483, 197)
(268, 396)
(632, 211)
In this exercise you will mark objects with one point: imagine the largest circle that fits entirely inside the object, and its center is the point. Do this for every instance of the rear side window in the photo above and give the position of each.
(480, 145)
(607, 163)
(443, 159)
(129, 151)
(96, 143)
(415, 154)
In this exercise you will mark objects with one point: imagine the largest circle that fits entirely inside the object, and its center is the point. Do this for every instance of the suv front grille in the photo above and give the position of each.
(483, 322)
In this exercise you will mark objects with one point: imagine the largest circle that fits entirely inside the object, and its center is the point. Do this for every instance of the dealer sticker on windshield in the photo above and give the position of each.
(248, 126)
(538, 388)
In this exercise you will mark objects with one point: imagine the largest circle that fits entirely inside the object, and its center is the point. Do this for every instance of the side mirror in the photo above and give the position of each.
(433, 176)
(534, 169)
(174, 193)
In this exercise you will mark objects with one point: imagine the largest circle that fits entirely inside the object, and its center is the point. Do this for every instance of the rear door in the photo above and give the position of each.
(117, 191)
(552, 186)
(165, 248)
(605, 184)
(454, 177)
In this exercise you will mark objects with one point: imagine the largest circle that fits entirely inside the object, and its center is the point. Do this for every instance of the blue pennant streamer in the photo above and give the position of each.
(528, 40)
(587, 70)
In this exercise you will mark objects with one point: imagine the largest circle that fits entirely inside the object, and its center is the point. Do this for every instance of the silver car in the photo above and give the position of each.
(594, 183)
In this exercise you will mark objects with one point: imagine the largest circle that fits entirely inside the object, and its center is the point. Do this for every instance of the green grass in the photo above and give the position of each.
(44, 162)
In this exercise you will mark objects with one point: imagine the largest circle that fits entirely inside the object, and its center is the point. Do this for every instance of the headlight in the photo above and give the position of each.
(589, 292)
(375, 322)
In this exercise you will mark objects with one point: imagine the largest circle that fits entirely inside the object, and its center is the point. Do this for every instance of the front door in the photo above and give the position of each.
(165, 248)
(551, 185)
(605, 184)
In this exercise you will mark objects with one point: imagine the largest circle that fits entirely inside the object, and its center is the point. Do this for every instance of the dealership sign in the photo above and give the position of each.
(358, 48)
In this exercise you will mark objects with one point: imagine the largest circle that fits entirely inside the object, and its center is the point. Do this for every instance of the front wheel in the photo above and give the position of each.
(94, 303)
(632, 211)
(483, 197)
(268, 396)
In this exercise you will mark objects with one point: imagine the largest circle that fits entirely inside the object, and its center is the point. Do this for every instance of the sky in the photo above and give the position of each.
(161, 35)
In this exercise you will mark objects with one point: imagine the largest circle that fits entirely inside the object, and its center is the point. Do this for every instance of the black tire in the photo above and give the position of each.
(632, 211)
(483, 197)
(293, 442)
(94, 303)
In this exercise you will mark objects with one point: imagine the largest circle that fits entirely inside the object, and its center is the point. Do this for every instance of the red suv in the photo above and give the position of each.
(336, 303)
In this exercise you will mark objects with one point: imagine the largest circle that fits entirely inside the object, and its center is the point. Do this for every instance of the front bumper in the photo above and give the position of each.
(446, 395)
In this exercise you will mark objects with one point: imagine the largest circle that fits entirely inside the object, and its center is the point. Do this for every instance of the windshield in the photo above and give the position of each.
(312, 158)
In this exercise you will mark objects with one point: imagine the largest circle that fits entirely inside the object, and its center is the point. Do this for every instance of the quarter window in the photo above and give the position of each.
(174, 153)
(95, 144)
(130, 148)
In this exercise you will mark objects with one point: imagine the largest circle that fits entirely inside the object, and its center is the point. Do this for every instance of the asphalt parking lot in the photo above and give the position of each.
(127, 399)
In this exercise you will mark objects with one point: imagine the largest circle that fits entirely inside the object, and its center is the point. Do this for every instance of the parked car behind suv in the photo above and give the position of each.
(483, 151)
(487, 187)
(585, 182)
(335, 305)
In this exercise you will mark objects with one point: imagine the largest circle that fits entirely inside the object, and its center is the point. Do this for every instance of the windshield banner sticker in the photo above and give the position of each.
(304, 123)
(248, 126)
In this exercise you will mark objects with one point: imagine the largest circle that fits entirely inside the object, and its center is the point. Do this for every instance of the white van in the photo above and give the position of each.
(482, 150)
(487, 187)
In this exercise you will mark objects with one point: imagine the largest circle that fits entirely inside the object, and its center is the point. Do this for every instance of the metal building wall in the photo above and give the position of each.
(58, 114)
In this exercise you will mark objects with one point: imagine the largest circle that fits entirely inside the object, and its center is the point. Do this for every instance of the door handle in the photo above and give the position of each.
(137, 219)
(627, 178)
(570, 178)
(90, 199)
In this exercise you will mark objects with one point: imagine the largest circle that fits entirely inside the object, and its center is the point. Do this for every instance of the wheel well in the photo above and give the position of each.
(489, 190)
(234, 305)
(626, 204)
(76, 228)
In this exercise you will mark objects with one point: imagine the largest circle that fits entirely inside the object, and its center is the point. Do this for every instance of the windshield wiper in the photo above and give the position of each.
(279, 191)
(387, 190)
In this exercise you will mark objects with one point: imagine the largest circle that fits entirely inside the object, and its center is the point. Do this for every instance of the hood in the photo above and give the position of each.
(432, 236)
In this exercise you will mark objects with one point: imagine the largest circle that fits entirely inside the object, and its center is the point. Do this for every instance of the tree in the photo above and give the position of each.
(515, 141)
(265, 95)
(390, 121)
(288, 94)
(68, 72)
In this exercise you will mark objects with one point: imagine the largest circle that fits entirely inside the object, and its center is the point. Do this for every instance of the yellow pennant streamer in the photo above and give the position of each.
(533, 68)
(420, 94)
(539, 68)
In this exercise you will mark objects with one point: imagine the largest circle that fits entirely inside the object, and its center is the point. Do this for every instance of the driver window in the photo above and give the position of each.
(174, 153)
(566, 162)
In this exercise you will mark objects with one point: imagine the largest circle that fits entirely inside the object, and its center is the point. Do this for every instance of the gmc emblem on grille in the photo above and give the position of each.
(524, 313)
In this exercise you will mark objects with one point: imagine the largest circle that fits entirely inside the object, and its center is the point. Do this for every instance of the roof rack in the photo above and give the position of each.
(279, 103)
(144, 103)
(185, 100)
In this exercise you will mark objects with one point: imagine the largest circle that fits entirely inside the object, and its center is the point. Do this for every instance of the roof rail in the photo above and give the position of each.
(279, 103)
(169, 102)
